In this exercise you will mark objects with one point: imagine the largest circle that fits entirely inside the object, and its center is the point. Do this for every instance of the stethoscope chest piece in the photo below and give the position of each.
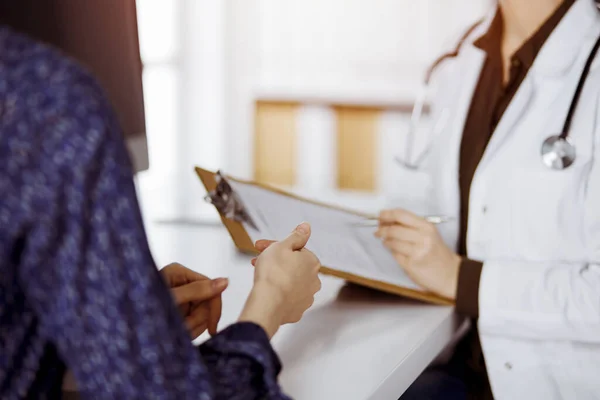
(558, 153)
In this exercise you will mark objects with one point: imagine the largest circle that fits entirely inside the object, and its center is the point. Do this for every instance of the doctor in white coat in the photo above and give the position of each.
(533, 231)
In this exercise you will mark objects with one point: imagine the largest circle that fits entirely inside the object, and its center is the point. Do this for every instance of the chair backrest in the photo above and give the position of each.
(101, 34)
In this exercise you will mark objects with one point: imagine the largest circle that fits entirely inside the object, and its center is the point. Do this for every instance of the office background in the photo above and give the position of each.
(311, 95)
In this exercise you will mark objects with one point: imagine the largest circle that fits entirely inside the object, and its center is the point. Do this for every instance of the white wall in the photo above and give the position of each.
(203, 106)
(353, 49)
(341, 48)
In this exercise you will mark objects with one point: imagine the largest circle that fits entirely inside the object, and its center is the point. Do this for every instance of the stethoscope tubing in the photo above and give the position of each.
(562, 140)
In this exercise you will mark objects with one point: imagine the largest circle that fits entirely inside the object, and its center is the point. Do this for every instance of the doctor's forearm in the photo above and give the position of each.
(467, 291)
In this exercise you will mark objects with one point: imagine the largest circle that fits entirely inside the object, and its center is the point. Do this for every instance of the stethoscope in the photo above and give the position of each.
(557, 151)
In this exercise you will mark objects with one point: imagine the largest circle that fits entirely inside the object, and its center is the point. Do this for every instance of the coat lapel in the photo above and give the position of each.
(445, 180)
(516, 110)
(469, 63)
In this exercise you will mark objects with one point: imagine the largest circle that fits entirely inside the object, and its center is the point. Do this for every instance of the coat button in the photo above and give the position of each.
(508, 366)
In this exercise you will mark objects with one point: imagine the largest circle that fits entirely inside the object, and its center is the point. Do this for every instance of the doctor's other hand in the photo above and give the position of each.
(286, 278)
(197, 296)
(418, 247)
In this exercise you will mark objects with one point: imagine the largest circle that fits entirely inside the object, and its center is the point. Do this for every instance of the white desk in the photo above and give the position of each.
(353, 343)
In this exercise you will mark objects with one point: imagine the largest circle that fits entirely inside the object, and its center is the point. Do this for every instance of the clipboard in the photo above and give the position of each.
(244, 243)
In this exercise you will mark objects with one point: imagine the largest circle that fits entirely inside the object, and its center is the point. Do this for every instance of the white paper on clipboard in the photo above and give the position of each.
(338, 244)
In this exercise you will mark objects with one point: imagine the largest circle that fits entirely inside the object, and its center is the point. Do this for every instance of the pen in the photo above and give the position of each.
(434, 219)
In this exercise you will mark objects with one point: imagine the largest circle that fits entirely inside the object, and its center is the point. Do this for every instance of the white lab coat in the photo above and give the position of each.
(536, 230)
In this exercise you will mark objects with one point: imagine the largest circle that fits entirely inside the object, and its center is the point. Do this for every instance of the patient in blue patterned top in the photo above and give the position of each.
(79, 290)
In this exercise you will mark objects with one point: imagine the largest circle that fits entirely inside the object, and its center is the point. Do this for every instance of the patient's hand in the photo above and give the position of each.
(198, 297)
(285, 281)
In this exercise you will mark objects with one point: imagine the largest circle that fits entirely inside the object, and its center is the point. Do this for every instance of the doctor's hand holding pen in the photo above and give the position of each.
(419, 248)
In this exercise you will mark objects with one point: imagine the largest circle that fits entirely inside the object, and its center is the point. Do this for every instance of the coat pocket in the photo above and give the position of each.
(546, 214)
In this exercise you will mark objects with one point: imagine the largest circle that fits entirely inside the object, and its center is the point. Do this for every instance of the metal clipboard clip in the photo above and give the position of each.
(227, 202)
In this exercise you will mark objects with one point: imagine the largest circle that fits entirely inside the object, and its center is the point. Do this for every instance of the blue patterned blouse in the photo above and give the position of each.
(78, 286)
